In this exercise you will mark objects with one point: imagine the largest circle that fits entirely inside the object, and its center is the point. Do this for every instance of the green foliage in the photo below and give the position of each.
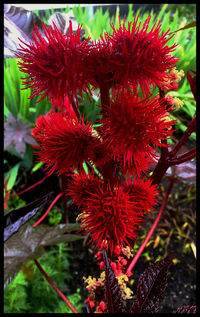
(15, 202)
(29, 292)
(17, 103)
(16, 100)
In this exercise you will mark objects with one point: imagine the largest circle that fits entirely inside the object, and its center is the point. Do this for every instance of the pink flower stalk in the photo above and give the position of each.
(64, 142)
(142, 57)
(54, 63)
(134, 128)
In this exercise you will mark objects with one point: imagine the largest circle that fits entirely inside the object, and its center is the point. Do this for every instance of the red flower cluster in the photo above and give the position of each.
(127, 56)
(130, 130)
(133, 128)
(54, 63)
(64, 141)
(95, 287)
(112, 216)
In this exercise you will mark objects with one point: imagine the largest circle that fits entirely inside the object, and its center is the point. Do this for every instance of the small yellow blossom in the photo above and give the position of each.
(91, 281)
(128, 252)
(178, 103)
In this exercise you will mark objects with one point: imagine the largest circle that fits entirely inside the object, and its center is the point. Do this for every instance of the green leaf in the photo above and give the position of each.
(36, 167)
(12, 175)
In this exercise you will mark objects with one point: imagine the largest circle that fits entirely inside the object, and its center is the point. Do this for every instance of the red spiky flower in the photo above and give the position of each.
(110, 217)
(142, 193)
(64, 142)
(54, 63)
(82, 186)
(133, 128)
(142, 56)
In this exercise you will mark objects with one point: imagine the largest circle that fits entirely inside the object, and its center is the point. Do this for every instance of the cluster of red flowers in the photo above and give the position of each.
(130, 129)
(61, 64)
(95, 287)
(111, 215)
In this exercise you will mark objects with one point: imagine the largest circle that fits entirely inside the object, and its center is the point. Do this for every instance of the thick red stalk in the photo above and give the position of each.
(107, 169)
(55, 287)
(184, 157)
(151, 231)
(168, 158)
(191, 128)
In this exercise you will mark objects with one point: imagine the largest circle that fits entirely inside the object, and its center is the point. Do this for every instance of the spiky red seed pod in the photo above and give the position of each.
(110, 217)
(142, 56)
(82, 187)
(63, 142)
(54, 62)
(133, 128)
(142, 193)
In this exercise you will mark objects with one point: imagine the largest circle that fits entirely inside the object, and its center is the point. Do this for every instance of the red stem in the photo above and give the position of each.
(45, 214)
(107, 168)
(32, 186)
(75, 108)
(55, 287)
(184, 157)
(151, 231)
(191, 128)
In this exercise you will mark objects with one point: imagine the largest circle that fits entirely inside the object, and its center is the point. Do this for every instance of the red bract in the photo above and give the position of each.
(142, 56)
(64, 142)
(111, 217)
(142, 193)
(133, 128)
(54, 63)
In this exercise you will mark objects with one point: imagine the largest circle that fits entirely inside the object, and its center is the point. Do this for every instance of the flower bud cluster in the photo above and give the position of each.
(95, 286)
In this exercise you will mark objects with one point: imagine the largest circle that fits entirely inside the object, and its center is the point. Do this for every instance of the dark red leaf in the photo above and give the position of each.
(113, 295)
(186, 310)
(16, 218)
(151, 287)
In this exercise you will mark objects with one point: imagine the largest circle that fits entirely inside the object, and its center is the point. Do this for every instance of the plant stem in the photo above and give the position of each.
(183, 158)
(55, 287)
(75, 108)
(191, 128)
(32, 186)
(107, 168)
(159, 172)
(151, 231)
(45, 214)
